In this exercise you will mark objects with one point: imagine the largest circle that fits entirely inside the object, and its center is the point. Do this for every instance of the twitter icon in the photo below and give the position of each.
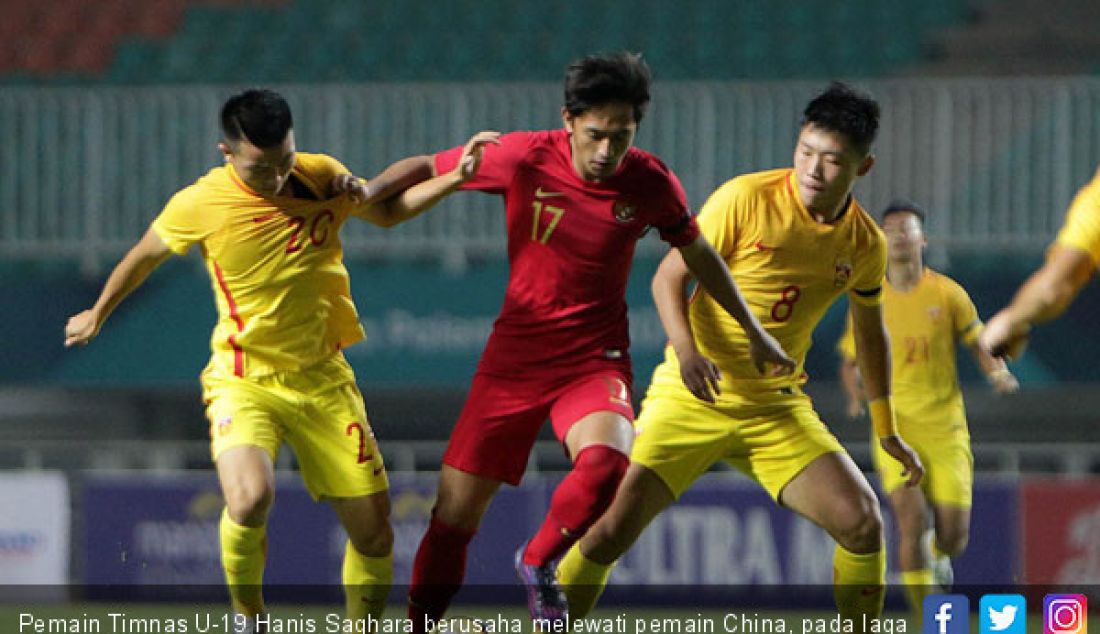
(1002, 614)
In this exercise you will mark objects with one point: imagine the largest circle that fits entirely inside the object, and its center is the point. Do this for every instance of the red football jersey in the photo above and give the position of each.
(570, 245)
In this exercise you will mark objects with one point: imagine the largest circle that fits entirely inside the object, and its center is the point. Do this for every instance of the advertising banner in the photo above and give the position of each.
(34, 528)
(1061, 532)
(725, 540)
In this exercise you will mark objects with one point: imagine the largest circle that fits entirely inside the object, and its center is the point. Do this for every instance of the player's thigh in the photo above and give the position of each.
(778, 440)
(338, 456)
(825, 487)
(498, 427)
(367, 522)
(952, 528)
(595, 409)
(678, 438)
(247, 478)
(245, 413)
(951, 491)
(831, 492)
(641, 497)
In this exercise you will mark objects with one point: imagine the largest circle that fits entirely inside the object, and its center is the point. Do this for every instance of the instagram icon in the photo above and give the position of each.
(1065, 614)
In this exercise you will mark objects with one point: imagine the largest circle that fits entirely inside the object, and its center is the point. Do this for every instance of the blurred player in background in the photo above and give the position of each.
(267, 223)
(795, 240)
(926, 314)
(577, 201)
(1071, 262)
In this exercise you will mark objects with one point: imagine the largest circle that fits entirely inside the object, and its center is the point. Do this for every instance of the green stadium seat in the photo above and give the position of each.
(516, 40)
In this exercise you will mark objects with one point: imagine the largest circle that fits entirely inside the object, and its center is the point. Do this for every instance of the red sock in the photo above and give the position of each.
(580, 500)
(437, 573)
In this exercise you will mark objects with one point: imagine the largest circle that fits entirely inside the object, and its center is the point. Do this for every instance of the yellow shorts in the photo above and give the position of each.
(948, 468)
(770, 437)
(318, 411)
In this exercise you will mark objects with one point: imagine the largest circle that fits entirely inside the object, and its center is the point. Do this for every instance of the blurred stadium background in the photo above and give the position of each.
(991, 119)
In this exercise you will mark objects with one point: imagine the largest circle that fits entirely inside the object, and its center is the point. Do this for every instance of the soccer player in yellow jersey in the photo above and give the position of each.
(1071, 262)
(268, 224)
(926, 313)
(794, 240)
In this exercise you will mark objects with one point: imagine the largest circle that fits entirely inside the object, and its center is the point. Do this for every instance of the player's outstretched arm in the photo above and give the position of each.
(1044, 296)
(714, 276)
(393, 180)
(388, 212)
(131, 271)
(873, 355)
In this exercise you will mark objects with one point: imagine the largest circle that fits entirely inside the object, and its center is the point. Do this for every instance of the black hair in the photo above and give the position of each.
(599, 79)
(904, 205)
(846, 111)
(261, 116)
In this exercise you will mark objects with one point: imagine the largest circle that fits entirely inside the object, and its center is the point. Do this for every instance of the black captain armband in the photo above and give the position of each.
(678, 227)
(871, 292)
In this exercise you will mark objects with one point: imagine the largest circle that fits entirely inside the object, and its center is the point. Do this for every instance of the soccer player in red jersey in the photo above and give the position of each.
(578, 199)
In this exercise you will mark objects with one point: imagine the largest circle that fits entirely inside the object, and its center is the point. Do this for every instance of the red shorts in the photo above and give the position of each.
(502, 418)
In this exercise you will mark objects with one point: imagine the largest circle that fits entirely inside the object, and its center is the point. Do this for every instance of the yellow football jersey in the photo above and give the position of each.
(925, 323)
(789, 267)
(1082, 226)
(275, 264)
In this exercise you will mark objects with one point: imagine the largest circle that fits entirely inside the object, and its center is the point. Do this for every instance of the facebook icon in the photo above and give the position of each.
(946, 614)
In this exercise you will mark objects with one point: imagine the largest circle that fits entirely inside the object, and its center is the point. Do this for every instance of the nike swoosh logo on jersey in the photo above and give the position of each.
(539, 193)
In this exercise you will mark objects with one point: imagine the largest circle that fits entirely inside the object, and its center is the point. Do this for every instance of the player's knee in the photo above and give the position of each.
(861, 529)
(456, 513)
(248, 503)
(604, 468)
(952, 542)
(373, 541)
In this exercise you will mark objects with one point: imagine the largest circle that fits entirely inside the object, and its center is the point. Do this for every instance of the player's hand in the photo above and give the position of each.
(81, 328)
(1004, 336)
(355, 188)
(897, 448)
(855, 409)
(1004, 382)
(470, 160)
(768, 356)
(700, 375)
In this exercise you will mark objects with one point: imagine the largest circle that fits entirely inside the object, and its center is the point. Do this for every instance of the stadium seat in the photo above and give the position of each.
(426, 40)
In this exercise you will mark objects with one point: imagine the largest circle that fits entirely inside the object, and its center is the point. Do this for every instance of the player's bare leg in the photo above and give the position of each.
(368, 557)
(832, 493)
(584, 571)
(951, 524)
(247, 477)
(599, 444)
(440, 565)
(912, 515)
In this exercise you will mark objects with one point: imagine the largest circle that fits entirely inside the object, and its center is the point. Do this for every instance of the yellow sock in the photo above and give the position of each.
(582, 580)
(859, 584)
(367, 583)
(244, 550)
(918, 584)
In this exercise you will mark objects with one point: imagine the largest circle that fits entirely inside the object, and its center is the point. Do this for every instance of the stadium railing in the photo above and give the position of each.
(84, 170)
